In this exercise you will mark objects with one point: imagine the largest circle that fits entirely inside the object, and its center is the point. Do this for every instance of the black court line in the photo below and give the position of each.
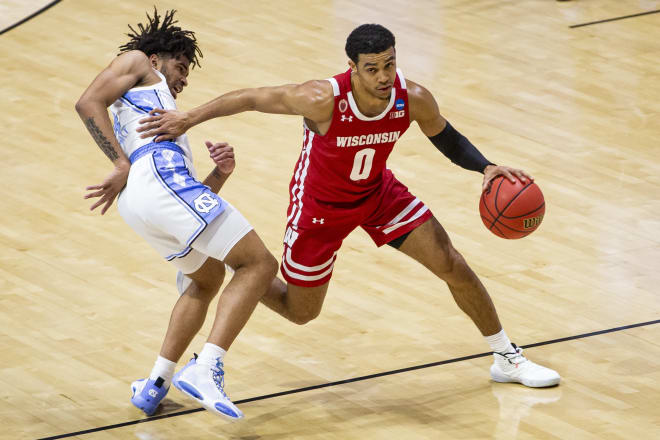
(345, 381)
(614, 19)
(49, 5)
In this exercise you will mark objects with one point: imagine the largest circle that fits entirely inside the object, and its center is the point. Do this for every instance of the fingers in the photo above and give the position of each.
(97, 204)
(212, 146)
(95, 194)
(148, 123)
(486, 182)
(222, 156)
(520, 175)
(506, 173)
(523, 175)
(163, 137)
(108, 203)
(155, 131)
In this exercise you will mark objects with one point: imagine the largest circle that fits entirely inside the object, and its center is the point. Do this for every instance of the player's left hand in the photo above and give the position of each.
(222, 155)
(108, 190)
(492, 171)
(165, 124)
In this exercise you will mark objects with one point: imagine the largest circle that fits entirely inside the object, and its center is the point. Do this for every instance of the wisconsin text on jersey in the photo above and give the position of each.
(368, 139)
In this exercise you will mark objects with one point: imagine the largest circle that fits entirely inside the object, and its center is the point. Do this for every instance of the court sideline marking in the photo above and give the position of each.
(345, 381)
(34, 14)
(614, 19)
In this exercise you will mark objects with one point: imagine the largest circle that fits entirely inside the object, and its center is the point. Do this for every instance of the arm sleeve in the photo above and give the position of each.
(459, 149)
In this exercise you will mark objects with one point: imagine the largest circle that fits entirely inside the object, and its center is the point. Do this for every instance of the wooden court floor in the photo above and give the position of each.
(84, 302)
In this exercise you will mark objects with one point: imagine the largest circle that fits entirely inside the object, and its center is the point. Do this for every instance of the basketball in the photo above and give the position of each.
(511, 210)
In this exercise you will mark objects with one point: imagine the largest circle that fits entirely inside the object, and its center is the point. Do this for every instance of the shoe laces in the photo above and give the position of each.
(219, 375)
(514, 358)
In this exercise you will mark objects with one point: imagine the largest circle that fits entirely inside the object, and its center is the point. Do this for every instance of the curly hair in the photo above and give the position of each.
(163, 38)
(368, 38)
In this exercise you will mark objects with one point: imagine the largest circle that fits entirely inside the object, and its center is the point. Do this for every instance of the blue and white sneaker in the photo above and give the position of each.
(206, 385)
(147, 394)
(175, 379)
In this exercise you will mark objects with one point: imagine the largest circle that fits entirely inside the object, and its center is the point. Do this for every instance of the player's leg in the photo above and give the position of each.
(313, 236)
(430, 245)
(232, 241)
(298, 304)
(402, 221)
(254, 269)
(186, 320)
(190, 310)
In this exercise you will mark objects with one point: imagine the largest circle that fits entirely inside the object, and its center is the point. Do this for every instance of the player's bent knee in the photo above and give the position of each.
(303, 317)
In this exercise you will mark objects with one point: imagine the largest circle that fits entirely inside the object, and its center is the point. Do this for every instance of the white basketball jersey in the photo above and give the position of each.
(136, 104)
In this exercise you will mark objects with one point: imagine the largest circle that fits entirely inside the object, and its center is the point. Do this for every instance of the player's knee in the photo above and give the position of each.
(302, 317)
(448, 257)
(204, 290)
(267, 266)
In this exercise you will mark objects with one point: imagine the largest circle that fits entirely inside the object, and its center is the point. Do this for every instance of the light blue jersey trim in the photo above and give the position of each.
(181, 254)
(200, 220)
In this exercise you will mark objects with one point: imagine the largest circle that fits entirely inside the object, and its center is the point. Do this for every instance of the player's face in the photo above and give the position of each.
(377, 72)
(175, 71)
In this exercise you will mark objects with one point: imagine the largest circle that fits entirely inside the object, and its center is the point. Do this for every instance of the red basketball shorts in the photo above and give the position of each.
(315, 229)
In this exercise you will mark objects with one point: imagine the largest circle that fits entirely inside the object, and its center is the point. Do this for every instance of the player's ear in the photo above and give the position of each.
(154, 60)
(352, 65)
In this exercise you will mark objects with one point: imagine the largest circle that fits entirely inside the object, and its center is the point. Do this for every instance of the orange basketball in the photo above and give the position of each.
(511, 210)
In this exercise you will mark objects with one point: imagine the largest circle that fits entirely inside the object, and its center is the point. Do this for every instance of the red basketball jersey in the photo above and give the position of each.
(347, 163)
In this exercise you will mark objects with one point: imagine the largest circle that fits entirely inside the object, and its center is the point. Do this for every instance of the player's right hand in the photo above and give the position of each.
(165, 124)
(222, 155)
(108, 190)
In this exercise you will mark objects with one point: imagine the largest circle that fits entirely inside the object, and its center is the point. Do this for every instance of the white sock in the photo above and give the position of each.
(163, 368)
(209, 354)
(499, 342)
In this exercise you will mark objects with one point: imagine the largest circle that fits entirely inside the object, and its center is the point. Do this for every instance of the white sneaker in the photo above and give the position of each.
(514, 367)
(205, 384)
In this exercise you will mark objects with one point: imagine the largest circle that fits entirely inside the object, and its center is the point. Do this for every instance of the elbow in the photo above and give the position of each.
(81, 105)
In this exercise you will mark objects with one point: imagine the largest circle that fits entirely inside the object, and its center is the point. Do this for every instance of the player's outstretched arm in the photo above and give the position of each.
(313, 100)
(123, 73)
(424, 110)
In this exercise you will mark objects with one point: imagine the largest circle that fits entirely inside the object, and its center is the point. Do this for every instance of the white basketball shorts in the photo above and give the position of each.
(175, 213)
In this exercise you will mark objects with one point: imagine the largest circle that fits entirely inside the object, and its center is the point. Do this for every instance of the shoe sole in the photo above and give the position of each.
(501, 378)
(193, 393)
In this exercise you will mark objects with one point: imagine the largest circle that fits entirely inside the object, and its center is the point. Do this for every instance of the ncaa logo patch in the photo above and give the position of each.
(399, 104)
(343, 105)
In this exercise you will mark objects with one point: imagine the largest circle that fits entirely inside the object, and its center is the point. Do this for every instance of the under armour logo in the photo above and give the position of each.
(205, 203)
(346, 118)
(319, 220)
(153, 393)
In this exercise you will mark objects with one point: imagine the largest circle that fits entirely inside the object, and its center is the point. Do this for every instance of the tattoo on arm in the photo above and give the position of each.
(216, 173)
(103, 143)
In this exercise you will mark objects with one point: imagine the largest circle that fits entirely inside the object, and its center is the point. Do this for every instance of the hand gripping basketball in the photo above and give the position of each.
(511, 210)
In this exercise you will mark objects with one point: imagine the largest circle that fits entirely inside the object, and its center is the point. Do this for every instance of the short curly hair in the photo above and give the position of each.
(163, 38)
(368, 38)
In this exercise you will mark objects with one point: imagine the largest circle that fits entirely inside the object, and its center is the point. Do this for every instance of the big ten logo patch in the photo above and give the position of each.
(290, 236)
(205, 203)
(399, 114)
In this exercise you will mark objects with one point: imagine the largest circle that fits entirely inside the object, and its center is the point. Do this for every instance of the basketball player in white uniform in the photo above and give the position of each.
(182, 218)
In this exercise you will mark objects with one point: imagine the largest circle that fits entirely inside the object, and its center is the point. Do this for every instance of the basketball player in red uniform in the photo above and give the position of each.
(351, 122)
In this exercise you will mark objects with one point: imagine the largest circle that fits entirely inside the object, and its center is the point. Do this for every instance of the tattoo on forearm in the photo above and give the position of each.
(216, 173)
(103, 143)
